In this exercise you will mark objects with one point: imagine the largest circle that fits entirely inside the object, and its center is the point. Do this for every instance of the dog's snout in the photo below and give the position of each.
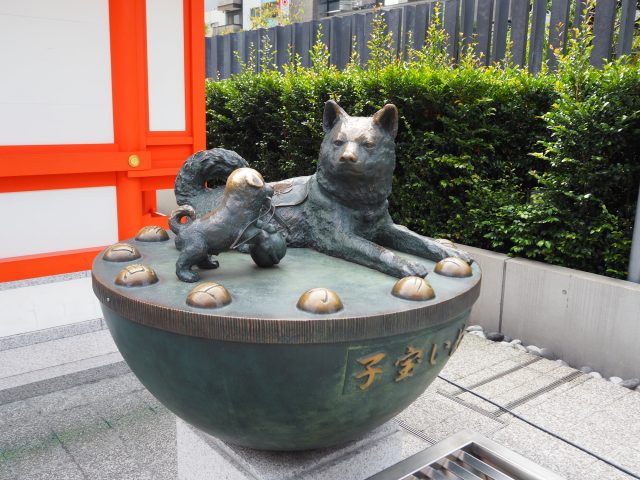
(349, 156)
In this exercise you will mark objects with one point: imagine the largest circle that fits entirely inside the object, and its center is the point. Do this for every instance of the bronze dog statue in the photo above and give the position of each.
(235, 220)
(342, 209)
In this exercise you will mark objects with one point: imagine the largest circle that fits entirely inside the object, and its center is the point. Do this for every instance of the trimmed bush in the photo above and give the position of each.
(545, 167)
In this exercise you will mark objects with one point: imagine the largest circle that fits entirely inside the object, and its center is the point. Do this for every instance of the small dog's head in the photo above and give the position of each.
(247, 187)
(357, 156)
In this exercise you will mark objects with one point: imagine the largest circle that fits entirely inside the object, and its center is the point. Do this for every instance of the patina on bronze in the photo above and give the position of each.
(342, 209)
(262, 373)
(237, 219)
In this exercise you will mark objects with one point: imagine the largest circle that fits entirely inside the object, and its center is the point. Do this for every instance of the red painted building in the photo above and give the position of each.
(100, 103)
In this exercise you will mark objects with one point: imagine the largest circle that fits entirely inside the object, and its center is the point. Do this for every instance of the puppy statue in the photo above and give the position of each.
(239, 218)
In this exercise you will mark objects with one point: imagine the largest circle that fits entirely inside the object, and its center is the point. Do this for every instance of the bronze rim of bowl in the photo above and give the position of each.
(413, 288)
(209, 295)
(320, 300)
(453, 267)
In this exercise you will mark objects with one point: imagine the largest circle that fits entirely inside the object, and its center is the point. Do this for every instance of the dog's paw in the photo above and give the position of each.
(187, 276)
(454, 252)
(413, 269)
(209, 264)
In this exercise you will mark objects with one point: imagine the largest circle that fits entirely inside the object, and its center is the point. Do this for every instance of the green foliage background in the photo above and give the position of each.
(545, 167)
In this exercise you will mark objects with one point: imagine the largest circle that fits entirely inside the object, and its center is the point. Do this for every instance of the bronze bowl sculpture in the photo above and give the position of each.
(338, 338)
(246, 356)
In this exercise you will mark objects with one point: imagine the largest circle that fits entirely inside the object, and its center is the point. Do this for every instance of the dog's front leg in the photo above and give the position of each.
(359, 250)
(402, 239)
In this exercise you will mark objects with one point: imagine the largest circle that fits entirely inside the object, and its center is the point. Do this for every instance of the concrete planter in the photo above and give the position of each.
(586, 319)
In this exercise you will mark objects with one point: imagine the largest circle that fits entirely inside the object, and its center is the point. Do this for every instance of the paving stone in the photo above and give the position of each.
(16, 413)
(50, 464)
(429, 410)
(48, 334)
(466, 420)
(593, 440)
(471, 399)
(521, 391)
(411, 444)
(65, 350)
(508, 382)
(541, 448)
(627, 456)
(147, 431)
(102, 456)
(543, 365)
(597, 471)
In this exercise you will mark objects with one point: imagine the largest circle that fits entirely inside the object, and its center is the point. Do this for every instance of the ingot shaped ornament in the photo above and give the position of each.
(320, 300)
(413, 288)
(209, 295)
(453, 267)
(121, 252)
(152, 233)
(136, 275)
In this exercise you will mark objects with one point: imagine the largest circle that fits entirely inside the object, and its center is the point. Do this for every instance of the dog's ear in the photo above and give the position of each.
(387, 119)
(332, 113)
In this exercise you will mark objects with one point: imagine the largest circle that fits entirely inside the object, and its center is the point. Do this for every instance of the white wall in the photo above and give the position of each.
(247, 5)
(57, 220)
(165, 57)
(36, 307)
(55, 80)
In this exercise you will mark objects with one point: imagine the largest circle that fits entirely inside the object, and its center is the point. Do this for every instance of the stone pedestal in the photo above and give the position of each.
(201, 456)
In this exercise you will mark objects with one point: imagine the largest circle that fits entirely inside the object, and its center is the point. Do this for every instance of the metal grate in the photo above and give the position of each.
(466, 456)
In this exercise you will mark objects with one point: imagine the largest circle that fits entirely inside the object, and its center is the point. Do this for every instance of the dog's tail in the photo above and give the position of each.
(205, 169)
(175, 219)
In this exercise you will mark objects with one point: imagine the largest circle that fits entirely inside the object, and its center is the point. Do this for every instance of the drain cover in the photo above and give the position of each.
(467, 456)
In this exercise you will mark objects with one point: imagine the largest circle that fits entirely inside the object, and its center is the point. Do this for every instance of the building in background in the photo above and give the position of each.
(226, 16)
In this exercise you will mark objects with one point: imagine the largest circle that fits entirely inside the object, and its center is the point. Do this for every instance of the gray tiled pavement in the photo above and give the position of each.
(112, 428)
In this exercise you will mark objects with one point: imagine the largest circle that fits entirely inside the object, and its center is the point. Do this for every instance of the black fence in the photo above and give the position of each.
(485, 23)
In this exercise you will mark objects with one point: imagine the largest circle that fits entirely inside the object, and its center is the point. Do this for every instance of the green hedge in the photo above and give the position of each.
(545, 167)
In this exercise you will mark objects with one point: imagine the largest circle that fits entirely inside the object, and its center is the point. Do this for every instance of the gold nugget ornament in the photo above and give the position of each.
(152, 233)
(453, 267)
(121, 252)
(209, 295)
(320, 300)
(413, 288)
(136, 275)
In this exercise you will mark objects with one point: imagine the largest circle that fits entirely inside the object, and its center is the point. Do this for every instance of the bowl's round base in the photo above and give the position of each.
(281, 378)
